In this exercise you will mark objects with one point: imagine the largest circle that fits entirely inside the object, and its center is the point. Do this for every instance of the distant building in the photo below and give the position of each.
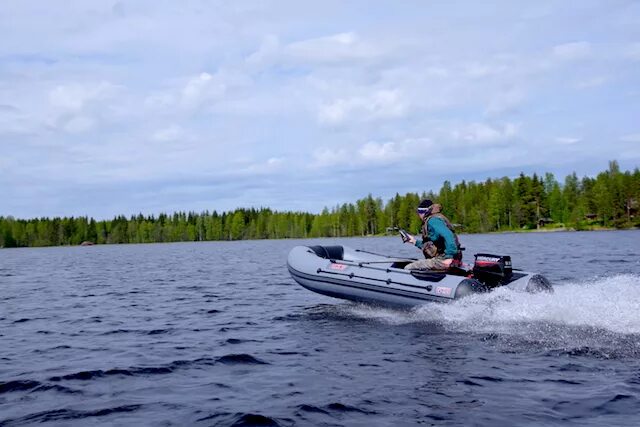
(544, 221)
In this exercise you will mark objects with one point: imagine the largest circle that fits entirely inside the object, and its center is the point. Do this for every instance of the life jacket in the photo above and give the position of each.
(432, 249)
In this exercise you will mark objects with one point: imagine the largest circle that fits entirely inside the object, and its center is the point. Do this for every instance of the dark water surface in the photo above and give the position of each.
(218, 334)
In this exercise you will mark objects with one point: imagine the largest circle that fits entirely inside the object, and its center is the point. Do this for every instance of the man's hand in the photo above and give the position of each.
(406, 237)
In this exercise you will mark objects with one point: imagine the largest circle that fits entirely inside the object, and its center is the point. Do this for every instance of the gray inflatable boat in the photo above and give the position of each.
(362, 276)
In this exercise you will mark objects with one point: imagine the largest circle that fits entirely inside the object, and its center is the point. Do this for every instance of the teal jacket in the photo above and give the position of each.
(437, 230)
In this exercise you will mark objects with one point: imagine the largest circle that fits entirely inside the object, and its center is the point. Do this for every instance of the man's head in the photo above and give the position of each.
(424, 208)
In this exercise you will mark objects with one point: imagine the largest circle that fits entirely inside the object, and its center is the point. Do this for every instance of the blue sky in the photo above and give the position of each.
(114, 107)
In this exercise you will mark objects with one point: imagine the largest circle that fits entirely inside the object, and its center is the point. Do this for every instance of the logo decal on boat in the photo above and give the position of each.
(440, 290)
(338, 267)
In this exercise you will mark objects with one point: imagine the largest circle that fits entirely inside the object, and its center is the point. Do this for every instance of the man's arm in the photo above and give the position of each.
(436, 229)
(415, 241)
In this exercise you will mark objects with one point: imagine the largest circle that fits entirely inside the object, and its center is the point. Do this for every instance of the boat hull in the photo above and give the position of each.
(360, 276)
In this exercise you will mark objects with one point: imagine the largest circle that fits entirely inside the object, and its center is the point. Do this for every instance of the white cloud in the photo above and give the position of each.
(381, 104)
(481, 133)
(325, 157)
(233, 75)
(567, 140)
(379, 152)
(336, 48)
(75, 97)
(272, 164)
(78, 107)
(572, 51)
(392, 151)
(373, 153)
(202, 88)
(268, 52)
(196, 92)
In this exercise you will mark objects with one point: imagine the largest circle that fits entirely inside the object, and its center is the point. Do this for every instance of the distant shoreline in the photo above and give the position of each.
(542, 230)
(555, 230)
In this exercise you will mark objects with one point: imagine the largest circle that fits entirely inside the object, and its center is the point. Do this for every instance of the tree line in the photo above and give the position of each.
(609, 200)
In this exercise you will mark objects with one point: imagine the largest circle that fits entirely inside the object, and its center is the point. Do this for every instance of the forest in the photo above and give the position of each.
(609, 200)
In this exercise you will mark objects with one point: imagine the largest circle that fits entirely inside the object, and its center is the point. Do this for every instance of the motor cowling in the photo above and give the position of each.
(492, 270)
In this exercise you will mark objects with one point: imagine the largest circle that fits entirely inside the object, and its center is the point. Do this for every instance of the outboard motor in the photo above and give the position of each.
(492, 270)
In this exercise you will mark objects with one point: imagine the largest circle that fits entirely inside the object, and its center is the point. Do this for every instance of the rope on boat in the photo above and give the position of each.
(388, 281)
(432, 276)
(364, 265)
(386, 256)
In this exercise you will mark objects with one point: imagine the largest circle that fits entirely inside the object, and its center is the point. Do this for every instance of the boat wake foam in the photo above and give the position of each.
(600, 314)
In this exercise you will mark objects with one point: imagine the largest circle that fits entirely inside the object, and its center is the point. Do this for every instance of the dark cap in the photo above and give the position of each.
(426, 203)
(425, 206)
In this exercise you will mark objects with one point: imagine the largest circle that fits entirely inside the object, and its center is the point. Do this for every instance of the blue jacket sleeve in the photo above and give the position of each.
(419, 243)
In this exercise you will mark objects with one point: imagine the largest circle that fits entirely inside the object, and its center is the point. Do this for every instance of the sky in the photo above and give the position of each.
(124, 107)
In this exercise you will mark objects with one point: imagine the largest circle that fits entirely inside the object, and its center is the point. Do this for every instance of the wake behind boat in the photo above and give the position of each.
(362, 276)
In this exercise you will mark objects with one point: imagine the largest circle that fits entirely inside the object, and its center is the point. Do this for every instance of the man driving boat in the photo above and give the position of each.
(439, 242)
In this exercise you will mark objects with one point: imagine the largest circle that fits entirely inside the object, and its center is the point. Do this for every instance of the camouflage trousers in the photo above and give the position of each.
(437, 263)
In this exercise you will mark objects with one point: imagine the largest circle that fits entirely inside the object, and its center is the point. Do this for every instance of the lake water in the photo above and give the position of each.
(218, 334)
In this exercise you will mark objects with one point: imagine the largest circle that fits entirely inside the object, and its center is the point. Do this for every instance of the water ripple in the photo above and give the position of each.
(217, 334)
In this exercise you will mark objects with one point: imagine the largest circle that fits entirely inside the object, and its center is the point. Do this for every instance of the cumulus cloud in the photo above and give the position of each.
(200, 89)
(74, 97)
(379, 152)
(331, 50)
(349, 92)
(381, 104)
(196, 92)
(268, 51)
(336, 48)
(483, 134)
(78, 107)
(271, 165)
(373, 153)
(328, 157)
(393, 151)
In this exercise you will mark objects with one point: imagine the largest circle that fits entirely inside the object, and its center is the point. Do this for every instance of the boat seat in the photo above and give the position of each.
(329, 252)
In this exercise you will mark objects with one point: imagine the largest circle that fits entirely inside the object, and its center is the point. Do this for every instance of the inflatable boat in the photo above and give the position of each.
(362, 276)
